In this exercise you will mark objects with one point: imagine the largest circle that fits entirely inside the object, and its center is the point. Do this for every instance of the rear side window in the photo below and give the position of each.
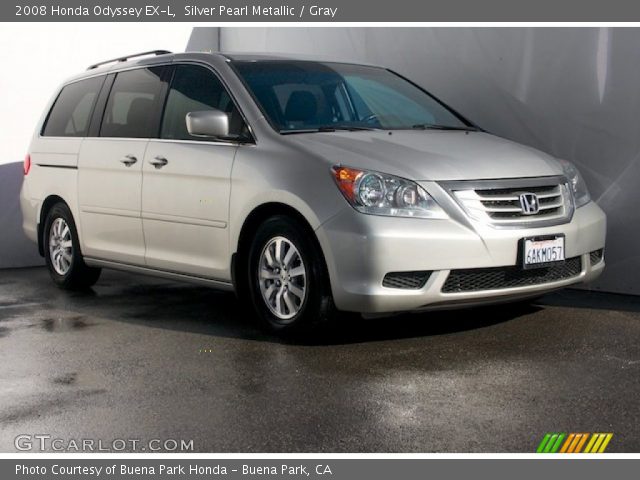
(132, 108)
(70, 114)
(194, 89)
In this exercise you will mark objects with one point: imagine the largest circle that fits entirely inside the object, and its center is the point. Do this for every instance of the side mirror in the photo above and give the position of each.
(208, 123)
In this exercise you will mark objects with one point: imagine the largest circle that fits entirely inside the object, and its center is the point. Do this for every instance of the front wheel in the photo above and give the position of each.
(62, 251)
(287, 276)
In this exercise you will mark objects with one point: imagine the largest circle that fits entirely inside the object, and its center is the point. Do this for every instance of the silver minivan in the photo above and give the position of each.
(308, 187)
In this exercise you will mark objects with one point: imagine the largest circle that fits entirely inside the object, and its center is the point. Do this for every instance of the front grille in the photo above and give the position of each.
(406, 280)
(497, 202)
(596, 256)
(473, 280)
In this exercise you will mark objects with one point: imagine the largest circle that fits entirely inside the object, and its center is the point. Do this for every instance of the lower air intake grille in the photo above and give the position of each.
(405, 280)
(508, 277)
(596, 256)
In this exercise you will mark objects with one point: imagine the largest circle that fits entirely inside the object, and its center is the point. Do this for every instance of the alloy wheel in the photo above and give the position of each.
(282, 278)
(60, 246)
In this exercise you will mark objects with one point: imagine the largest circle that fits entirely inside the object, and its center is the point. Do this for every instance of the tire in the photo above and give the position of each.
(290, 293)
(62, 251)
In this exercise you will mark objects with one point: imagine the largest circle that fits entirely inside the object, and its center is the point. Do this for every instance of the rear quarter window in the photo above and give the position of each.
(71, 112)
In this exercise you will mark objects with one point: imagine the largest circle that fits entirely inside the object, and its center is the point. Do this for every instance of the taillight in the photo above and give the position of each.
(27, 164)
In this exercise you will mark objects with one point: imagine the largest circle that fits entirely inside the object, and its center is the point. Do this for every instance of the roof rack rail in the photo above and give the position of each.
(129, 57)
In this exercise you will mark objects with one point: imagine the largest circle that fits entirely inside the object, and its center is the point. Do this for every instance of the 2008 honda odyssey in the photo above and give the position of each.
(307, 186)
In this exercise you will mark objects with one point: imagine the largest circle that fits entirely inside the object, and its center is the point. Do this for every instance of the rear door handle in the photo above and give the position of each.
(158, 161)
(129, 160)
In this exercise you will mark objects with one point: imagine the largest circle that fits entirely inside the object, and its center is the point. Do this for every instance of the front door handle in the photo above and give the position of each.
(158, 161)
(129, 160)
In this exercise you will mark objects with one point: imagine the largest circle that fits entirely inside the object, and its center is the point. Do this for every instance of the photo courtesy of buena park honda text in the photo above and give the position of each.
(319, 239)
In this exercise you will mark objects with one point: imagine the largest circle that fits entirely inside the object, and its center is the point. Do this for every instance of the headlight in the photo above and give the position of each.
(381, 194)
(576, 182)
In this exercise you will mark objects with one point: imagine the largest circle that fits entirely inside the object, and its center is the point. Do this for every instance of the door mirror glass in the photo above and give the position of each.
(208, 123)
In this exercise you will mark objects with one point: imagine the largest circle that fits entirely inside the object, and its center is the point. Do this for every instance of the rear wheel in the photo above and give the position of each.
(288, 281)
(62, 251)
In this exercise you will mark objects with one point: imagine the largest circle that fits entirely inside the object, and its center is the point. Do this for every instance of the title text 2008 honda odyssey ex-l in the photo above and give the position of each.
(307, 186)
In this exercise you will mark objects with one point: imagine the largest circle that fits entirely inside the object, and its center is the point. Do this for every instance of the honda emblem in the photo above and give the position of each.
(529, 203)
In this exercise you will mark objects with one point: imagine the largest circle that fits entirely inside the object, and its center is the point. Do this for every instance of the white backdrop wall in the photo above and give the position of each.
(35, 59)
(571, 92)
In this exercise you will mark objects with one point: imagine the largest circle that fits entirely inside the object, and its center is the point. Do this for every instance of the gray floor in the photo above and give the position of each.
(143, 358)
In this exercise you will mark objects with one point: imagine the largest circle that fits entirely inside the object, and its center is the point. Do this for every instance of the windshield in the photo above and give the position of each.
(316, 96)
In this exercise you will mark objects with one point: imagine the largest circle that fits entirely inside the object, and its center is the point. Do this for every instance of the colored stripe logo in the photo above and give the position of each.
(574, 443)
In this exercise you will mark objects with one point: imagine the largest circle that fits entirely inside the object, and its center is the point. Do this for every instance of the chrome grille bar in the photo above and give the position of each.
(498, 203)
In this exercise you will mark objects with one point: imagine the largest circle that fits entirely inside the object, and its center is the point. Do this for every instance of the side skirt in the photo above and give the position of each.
(181, 277)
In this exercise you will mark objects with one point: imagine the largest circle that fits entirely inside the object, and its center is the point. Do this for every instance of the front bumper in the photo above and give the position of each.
(361, 249)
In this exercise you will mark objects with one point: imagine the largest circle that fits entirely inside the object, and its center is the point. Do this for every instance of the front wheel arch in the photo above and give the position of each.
(240, 259)
(315, 307)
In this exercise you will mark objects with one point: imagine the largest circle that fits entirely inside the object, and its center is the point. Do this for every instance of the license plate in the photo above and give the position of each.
(541, 252)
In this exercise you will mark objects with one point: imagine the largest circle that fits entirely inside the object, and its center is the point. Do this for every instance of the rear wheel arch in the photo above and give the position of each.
(48, 203)
(62, 252)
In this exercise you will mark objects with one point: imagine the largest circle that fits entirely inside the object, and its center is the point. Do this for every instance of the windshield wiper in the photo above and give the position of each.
(350, 128)
(327, 128)
(428, 126)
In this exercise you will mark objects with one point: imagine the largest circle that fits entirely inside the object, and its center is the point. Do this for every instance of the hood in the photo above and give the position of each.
(429, 154)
